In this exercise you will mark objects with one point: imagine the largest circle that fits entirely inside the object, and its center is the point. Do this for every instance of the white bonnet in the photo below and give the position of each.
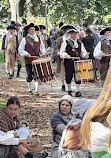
(80, 107)
(68, 98)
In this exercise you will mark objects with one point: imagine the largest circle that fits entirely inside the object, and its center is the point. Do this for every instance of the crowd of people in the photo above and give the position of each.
(81, 129)
(64, 44)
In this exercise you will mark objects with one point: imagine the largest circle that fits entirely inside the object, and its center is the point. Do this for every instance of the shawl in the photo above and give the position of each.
(56, 119)
(7, 123)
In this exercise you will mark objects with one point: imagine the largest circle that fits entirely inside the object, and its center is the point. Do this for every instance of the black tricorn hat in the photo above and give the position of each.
(29, 26)
(11, 27)
(37, 28)
(72, 30)
(42, 27)
(102, 32)
(24, 21)
(68, 26)
(12, 23)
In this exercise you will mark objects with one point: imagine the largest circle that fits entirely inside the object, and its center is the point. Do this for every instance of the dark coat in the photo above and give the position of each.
(88, 42)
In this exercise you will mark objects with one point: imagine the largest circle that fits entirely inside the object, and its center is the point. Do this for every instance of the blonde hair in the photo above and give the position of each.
(109, 122)
(98, 111)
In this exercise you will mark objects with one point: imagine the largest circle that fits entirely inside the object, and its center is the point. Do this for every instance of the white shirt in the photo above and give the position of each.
(8, 138)
(97, 51)
(63, 52)
(22, 51)
(99, 137)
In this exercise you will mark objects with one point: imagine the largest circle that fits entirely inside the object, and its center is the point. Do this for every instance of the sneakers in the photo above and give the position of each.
(63, 88)
(70, 93)
(40, 155)
(78, 94)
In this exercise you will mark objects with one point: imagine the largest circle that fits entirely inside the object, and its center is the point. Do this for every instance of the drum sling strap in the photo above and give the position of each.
(72, 45)
(32, 45)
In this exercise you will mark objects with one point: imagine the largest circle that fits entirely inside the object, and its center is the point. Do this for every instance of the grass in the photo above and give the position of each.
(1, 56)
(2, 102)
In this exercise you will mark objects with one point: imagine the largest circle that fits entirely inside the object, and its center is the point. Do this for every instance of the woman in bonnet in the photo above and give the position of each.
(59, 120)
(70, 142)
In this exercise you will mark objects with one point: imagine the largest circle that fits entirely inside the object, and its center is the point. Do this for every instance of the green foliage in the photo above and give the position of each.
(2, 102)
(77, 11)
(1, 56)
(69, 11)
(4, 12)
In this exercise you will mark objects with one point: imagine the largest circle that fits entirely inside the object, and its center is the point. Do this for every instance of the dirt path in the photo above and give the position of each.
(37, 110)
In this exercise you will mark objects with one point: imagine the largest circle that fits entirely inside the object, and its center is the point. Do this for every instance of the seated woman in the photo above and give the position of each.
(59, 120)
(95, 131)
(10, 142)
(70, 142)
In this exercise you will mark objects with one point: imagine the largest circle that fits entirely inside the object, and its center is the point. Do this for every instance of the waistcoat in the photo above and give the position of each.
(29, 49)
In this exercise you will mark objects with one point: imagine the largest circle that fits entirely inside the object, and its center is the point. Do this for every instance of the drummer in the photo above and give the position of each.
(72, 48)
(31, 52)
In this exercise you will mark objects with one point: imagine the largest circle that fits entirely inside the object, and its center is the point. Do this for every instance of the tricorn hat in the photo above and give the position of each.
(24, 21)
(102, 32)
(12, 23)
(37, 28)
(67, 26)
(72, 30)
(42, 27)
(29, 26)
(11, 27)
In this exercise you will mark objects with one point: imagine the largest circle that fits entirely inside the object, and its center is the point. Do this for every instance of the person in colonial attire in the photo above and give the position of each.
(9, 47)
(70, 141)
(59, 120)
(45, 38)
(101, 52)
(60, 62)
(19, 58)
(15, 141)
(30, 54)
(72, 48)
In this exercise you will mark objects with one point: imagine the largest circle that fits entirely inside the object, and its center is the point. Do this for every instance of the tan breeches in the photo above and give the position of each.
(10, 62)
(62, 72)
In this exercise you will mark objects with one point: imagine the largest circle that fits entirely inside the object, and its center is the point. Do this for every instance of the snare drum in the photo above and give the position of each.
(84, 70)
(43, 70)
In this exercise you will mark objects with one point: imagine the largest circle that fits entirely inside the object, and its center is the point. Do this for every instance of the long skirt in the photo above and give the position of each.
(79, 153)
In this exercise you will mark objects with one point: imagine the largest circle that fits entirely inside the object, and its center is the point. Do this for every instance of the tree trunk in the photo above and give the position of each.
(14, 5)
(21, 7)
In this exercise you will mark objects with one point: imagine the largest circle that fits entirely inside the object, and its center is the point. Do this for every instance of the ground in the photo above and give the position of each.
(38, 110)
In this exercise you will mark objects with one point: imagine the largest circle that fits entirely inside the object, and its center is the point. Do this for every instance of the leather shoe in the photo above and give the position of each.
(70, 93)
(78, 94)
(36, 94)
(9, 76)
(29, 93)
(63, 88)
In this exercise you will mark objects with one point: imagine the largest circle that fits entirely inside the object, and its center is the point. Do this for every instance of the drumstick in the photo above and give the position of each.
(34, 56)
(75, 58)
